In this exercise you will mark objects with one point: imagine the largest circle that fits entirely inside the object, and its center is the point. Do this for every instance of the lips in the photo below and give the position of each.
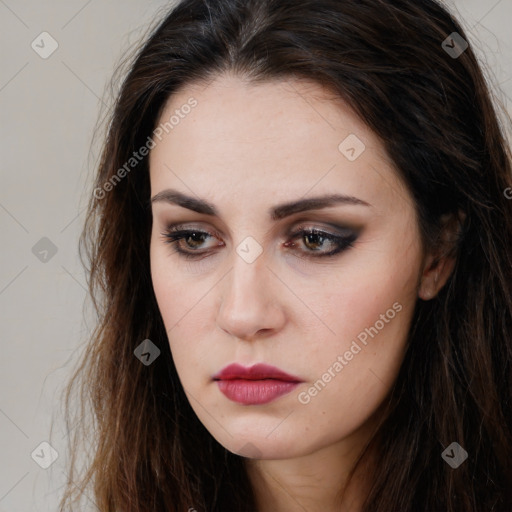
(256, 372)
(256, 385)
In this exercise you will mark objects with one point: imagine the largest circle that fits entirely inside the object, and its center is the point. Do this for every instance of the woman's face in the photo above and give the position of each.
(330, 309)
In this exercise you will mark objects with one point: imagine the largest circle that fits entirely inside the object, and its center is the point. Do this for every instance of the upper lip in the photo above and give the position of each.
(256, 372)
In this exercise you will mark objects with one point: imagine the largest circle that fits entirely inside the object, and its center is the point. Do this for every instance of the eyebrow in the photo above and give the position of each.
(275, 213)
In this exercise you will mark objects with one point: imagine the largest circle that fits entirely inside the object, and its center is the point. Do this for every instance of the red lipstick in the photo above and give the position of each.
(258, 384)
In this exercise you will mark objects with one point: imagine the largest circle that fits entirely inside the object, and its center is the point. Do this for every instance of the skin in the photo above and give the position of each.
(245, 148)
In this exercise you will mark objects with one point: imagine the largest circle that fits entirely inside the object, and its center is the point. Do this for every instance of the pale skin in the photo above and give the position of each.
(245, 149)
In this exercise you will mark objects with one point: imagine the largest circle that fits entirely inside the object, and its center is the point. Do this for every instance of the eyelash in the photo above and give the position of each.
(174, 234)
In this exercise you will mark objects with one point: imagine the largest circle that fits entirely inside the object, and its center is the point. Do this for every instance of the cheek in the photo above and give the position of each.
(355, 298)
(368, 312)
(174, 291)
(184, 307)
(351, 374)
(371, 325)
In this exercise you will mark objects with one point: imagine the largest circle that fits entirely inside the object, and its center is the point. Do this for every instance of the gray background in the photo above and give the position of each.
(49, 110)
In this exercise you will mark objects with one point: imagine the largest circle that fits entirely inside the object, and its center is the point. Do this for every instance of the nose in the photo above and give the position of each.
(251, 300)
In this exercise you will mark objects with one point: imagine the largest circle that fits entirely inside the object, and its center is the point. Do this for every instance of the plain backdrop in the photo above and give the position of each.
(49, 109)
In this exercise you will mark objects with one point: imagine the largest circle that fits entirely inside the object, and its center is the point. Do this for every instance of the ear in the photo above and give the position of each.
(439, 261)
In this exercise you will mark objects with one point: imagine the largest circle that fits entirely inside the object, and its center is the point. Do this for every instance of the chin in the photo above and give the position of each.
(259, 446)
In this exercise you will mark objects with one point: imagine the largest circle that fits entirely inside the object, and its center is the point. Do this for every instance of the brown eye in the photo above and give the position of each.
(193, 240)
(315, 241)
(321, 242)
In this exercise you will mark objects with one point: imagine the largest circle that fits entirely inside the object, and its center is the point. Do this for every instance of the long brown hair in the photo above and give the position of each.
(434, 113)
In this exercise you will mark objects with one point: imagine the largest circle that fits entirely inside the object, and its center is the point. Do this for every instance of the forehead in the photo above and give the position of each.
(281, 138)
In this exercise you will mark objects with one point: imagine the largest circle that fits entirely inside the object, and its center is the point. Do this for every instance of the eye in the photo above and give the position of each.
(193, 238)
(321, 244)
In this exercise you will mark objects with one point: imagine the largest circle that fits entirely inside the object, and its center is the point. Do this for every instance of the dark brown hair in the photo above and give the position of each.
(434, 114)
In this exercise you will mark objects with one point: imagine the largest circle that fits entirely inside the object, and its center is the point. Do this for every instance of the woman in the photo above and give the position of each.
(299, 247)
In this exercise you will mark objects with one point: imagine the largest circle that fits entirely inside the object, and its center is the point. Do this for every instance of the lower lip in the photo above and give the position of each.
(255, 392)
